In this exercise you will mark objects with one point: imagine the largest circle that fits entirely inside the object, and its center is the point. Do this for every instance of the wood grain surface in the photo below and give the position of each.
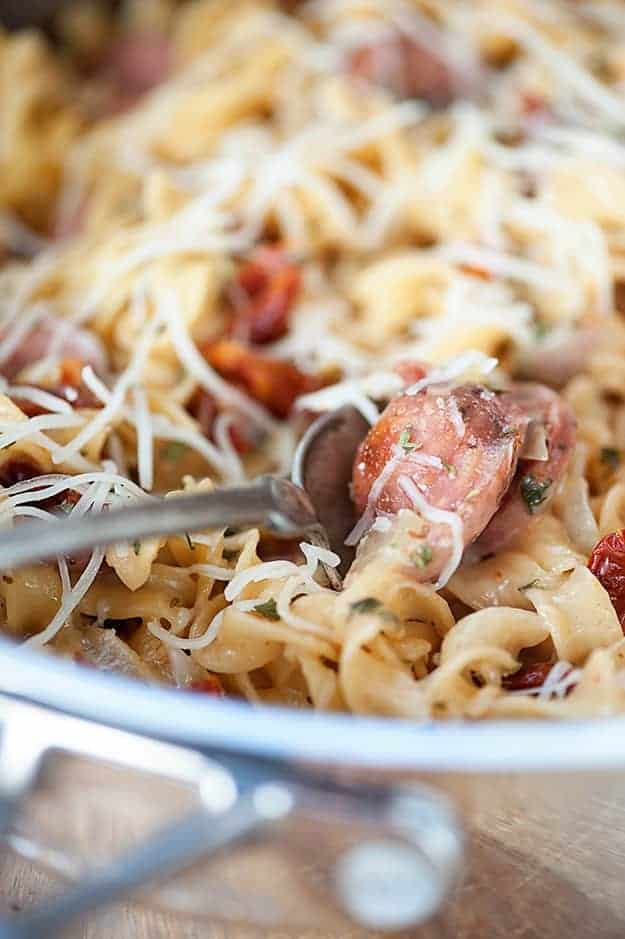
(546, 860)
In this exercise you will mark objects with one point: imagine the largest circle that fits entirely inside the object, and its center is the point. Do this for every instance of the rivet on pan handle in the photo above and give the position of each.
(397, 878)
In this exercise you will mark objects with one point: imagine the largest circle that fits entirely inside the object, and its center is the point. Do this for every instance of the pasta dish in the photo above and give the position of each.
(221, 220)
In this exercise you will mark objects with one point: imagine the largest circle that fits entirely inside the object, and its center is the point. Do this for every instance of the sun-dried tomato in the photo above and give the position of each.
(203, 407)
(528, 676)
(263, 295)
(274, 383)
(70, 388)
(475, 271)
(607, 563)
(77, 397)
(17, 470)
(533, 104)
(406, 68)
(208, 685)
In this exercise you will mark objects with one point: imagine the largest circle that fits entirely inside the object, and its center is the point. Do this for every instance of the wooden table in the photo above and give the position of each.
(532, 875)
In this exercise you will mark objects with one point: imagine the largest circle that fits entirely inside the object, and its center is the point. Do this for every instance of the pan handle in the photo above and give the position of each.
(396, 871)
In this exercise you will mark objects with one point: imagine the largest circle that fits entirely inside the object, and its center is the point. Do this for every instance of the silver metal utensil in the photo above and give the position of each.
(400, 862)
(276, 505)
(323, 465)
(316, 505)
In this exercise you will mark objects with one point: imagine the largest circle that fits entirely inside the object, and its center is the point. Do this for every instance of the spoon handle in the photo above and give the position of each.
(274, 504)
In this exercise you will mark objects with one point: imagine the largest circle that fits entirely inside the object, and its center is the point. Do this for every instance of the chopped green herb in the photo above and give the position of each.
(366, 605)
(422, 556)
(372, 605)
(450, 468)
(137, 547)
(611, 457)
(188, 540)
(174, 450)
(541, 330)
(536, 584)
(473, 493)
(534, 491)
(268, 609)
(510, 430)
(406, 443)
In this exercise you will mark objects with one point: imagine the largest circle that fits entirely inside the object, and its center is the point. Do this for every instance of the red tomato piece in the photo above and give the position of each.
(528, 676)
(210, 685)
(607, 563)
(263, 295)
(204, 408)
(275, 383)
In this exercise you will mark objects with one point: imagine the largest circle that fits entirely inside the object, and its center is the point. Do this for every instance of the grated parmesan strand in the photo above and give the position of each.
(438, 516)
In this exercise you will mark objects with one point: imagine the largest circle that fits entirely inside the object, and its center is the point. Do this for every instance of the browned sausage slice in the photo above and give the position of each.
(457, 447)
(535, 481)
(405, 67)
(133, 66)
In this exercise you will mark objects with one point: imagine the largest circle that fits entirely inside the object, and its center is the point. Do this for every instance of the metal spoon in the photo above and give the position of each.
(316, 505)
(323, 466)
(276, 505)
(273, 504)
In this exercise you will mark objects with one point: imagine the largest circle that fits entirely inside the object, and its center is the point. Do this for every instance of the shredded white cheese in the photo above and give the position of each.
(438, 516)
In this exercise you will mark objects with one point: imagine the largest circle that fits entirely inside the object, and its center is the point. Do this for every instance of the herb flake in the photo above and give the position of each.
(137, 547)
(533, 584)
(174, 450)
(268, 609)
(405, 442)
(372, 605)
(366, 605)
(450, 469)
(422, 556)
(534, 491)
(189, 542)
(541, 330)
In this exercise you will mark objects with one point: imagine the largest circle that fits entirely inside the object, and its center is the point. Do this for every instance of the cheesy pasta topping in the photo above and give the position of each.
(220, 220)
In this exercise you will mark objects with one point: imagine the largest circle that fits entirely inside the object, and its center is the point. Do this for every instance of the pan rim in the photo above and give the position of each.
(311, 737)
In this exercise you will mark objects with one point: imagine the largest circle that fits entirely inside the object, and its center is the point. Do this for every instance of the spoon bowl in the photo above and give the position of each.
(322, 467)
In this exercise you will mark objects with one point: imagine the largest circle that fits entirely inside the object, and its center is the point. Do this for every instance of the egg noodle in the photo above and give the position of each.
(283, 206)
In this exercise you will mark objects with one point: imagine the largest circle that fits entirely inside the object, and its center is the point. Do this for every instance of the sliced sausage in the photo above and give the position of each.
(535, 481)
(556, 361)
(458, 448)
(132, 66)
(407, 68)
(78, 343)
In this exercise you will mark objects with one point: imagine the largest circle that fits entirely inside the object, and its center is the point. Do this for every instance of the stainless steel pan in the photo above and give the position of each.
(310, 840)
(542, 806)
